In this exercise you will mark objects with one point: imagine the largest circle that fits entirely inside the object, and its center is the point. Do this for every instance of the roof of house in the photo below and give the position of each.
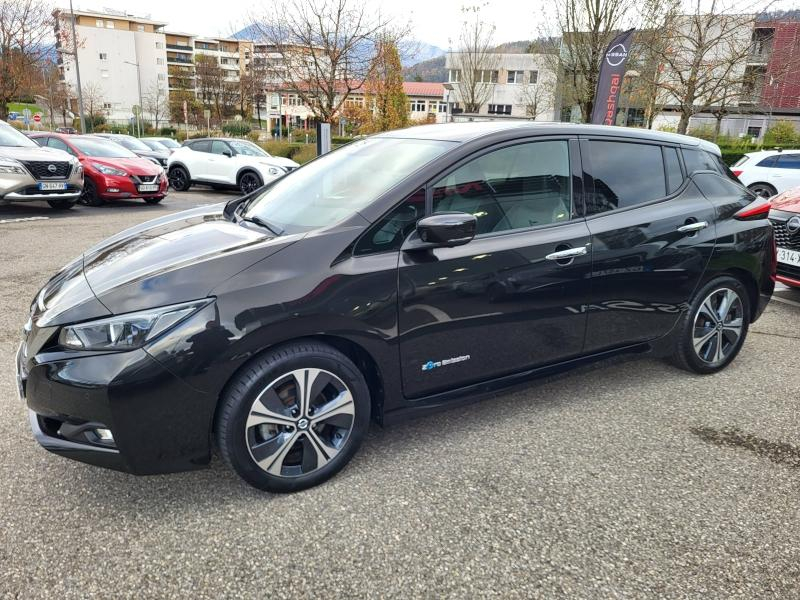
(423, 88)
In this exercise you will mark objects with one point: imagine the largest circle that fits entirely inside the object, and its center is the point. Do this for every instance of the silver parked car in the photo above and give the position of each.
(30, 172)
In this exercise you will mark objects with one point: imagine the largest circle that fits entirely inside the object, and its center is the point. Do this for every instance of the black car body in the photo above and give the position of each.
(135, 145)
(611, 259)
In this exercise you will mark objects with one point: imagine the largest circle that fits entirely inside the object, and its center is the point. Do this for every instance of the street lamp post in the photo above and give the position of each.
(77, 68)
(139, 87)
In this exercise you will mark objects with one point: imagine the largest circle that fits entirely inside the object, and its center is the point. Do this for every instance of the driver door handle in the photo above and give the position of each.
(568, 253)
(692, 227)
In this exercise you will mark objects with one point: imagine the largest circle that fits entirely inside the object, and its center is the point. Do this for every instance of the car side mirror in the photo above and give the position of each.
(227, 153)
(444, 229)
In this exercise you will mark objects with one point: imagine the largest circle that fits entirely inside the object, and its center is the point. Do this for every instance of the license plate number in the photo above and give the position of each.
(148, 187)
(789, 257)
(49, 186)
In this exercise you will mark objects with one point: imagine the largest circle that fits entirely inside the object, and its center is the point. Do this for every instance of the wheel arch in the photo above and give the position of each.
(356, 352)
(759, 182)
(248, 169)
(179, 164)
(748, 280)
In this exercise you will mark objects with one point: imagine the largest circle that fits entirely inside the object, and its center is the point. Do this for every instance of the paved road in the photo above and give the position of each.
(628, 479)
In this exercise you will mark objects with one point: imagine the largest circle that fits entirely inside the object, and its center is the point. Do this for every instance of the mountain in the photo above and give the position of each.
(413, 52)
(427, 70)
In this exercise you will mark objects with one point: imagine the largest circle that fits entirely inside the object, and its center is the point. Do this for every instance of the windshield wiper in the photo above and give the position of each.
(265, 224)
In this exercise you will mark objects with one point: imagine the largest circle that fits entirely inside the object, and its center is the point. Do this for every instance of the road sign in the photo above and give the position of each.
(207, 113)
(26, 112)
(13, 116)
(37, 118)
(136, 110)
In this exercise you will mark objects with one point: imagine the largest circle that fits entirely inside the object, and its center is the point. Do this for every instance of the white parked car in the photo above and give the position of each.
(224, 163)
(769, 172)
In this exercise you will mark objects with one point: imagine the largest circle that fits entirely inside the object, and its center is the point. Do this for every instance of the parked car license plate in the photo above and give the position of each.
(789, 257)
(49, 186)
(148, 187)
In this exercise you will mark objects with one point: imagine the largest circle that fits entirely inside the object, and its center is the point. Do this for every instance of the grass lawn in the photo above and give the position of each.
(19, 106)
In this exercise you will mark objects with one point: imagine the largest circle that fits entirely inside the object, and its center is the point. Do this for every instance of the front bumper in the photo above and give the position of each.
(159, 424)
(111, 187)
(24, 188)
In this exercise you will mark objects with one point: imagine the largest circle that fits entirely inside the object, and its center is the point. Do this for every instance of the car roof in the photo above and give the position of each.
(464, 132)
(765, 153)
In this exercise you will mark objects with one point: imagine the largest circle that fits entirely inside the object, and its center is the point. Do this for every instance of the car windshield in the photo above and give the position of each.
(132, 143)
(154, 145)
(341, 183)
(169, 143)
(247, 148)
(11, 137)
(100, 148)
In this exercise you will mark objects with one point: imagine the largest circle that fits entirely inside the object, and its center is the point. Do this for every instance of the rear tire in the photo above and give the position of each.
(711, 333)
(179, 179)
(764, 190)
(61, 204)
(280, 439)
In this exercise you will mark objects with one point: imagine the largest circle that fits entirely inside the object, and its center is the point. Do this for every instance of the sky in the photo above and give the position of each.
(436, 22)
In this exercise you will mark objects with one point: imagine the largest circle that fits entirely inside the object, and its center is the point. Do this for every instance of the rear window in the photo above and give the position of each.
(767, 162)
(625, 174)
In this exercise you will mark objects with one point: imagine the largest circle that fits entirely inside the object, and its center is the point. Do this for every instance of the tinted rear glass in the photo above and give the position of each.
(625, 174)
(788, 161)
(673, 168)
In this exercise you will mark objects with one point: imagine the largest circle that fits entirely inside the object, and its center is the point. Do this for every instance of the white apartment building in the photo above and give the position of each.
(507, 85)
(122, 59)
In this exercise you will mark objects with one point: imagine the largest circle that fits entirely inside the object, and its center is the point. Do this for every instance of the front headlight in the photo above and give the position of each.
(276, 171)
(12, 169)
(126, 332)
(106, 170)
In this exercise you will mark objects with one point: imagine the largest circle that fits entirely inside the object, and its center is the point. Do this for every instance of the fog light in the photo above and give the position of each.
(113, 190)
(104, 435)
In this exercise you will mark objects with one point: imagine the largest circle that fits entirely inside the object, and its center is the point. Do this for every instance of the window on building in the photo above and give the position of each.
(109, 24)
(454, 75)
(106, 105)
(611, 166)
(103, 56)
(104, 73)
(499, 109)
(417, 105)
(98, 23)
(443, 107)
(753, 132)
(159, 61)
(159, 45)
(533, 77)
(161, 77)
(512, 188)
(515, 76)
(486, 76)
(140, 28)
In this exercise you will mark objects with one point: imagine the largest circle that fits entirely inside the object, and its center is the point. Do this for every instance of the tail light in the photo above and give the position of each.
(757, 209)
(737, 172)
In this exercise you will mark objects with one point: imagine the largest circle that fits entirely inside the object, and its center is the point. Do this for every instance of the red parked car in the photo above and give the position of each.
(111, 171)
(785, 217)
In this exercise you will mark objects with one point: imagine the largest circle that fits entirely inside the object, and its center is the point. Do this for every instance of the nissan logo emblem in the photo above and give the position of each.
(52, 168)
(616, 55)
(793, 225)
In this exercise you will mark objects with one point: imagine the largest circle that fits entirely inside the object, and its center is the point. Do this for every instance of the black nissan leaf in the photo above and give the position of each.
(398, 275)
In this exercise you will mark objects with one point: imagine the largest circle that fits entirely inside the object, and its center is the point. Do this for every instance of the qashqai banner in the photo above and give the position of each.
(609, 81)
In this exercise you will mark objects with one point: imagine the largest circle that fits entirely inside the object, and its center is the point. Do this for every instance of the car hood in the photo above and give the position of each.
(137, 166)
(788, 201)
(279, 161)
(34, 153)
(177, 258)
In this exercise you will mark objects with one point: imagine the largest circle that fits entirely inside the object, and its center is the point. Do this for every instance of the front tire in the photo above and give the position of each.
(61, 204)
(154, 200)
(294, 417)
(179, 179)
(712, 331)
(90, 197)
(249, 182)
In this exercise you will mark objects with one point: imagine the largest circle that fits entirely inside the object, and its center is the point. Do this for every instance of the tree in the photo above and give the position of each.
(155, 103)
(93, 99)
(474, 60)
(385, 101)
(585, 28)
(704, 60)
(25, 30)
(325, 49)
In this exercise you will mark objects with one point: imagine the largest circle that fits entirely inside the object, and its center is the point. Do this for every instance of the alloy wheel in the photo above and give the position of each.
(762, 190)
(299, 422)
(249, 183)
(177, 179)
(718, 326)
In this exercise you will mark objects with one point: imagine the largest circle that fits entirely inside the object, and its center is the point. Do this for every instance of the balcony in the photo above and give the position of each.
(180, 60)
(180, 48)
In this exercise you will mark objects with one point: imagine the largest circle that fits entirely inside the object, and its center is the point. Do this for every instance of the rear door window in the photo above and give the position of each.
(625, 174)
(201, 146)
(767, 162)
(788, 161)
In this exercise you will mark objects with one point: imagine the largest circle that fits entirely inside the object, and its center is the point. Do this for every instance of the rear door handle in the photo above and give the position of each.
(568, 253)
(692, 227)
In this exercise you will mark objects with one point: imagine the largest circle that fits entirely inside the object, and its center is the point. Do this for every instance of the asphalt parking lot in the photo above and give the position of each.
(628, 479)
